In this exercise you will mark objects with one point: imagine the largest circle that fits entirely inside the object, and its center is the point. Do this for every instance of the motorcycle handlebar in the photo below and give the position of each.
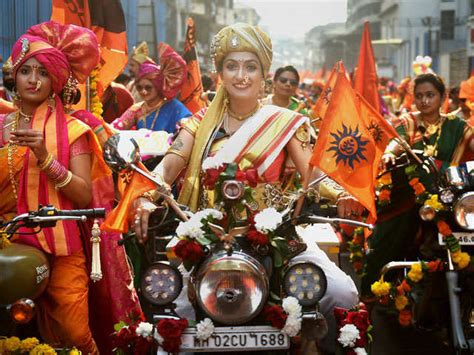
(89, 213)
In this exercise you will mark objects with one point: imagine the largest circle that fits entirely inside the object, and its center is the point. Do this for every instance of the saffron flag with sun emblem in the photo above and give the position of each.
(345, 149)
(321, 105)
(380, 129)
(192, 90)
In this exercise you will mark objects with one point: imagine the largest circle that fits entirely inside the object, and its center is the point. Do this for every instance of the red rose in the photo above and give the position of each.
(123, 338)
(340, 315)
(252, 177)
(171, 330)
(210, 178)
(255, 237)
(275, 315)
(189, 250)
(142, 346)
(240, 176)
(171, 345)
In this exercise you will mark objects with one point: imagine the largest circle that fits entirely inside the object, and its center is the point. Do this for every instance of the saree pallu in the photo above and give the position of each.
(112, 299)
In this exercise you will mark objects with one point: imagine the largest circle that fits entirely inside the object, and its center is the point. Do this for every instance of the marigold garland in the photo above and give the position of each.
(31, 346)
(95, 103)
(357, 250)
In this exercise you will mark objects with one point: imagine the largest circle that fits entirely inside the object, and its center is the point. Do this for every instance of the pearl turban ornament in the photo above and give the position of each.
(241, 37)
(64, 50)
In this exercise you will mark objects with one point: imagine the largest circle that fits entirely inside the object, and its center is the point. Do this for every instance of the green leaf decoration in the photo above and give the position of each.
(203, 240)
(119, 325)
(277, 259)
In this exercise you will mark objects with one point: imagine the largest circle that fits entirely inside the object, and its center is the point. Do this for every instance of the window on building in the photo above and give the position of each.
(447, 24)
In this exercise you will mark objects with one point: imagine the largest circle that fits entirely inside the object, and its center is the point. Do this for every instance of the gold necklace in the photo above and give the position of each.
(13, 150)
(431, 150)
(25, 117)
(244, 116)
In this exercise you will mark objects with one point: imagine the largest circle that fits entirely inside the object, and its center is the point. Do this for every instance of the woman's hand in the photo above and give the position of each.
(142, 208)
(32, 139)
(387, 161)
(349, 207)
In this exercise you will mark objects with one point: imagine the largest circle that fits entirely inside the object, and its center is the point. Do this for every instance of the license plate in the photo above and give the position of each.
(236, 339)
(464, 238)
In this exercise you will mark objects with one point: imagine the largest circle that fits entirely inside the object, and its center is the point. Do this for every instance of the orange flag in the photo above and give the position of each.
(380, 129)
(321, 105)
(192, 89)
(107, 20)
(366, 82)
(345, 150)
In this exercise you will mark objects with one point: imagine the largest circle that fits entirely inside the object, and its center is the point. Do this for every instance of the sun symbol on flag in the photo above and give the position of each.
(348, 146)
(375, 131)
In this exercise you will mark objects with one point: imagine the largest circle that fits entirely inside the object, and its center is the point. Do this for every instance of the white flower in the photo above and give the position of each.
(204, 328)
(158, 337)
(360, 351)
(292, 326)
(209, 212)
(268, 220)
(212, 163)
(349, 335)
(191, 228)
(292, 307)
(144, 329)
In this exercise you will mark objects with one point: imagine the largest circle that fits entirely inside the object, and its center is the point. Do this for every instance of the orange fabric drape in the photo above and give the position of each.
(366, 82)
(192, 89)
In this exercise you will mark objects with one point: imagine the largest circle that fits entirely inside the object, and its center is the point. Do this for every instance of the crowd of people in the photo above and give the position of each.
(53, 155)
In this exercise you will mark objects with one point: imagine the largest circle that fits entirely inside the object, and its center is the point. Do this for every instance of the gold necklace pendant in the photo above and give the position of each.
(13, 150)
(430, 150)
(432, 129)
(25, 117)
(244, 116)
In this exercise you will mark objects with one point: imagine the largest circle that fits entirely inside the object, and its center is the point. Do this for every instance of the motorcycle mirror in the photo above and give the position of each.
(121, 152)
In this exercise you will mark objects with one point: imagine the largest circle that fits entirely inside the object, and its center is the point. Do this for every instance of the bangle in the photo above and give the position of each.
(178, 153)
(64, 182)
(151, 195)
(56, 171)
(47, 162)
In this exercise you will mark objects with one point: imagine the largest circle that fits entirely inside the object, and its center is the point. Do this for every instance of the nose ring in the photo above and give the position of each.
(246, 80)
(38, 85)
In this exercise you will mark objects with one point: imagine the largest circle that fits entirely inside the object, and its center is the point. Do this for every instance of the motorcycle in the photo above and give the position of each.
(25, 270)
(235, 278)
(450, 287)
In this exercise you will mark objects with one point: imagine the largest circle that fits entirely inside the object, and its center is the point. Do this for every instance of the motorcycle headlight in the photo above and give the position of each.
(161, 283)
(464, 211)
(231, 289)
(232, 189)
(305, 281)
(427, 213)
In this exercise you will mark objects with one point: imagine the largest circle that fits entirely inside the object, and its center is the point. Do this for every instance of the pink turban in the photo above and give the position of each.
(63, 50)
(169, 76)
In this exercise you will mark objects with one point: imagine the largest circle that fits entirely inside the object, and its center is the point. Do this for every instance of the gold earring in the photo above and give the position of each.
(52, 101)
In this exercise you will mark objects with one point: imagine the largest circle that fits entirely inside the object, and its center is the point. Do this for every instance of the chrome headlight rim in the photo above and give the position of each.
(322, 282)
(459, 216)
(233, 190)
(177, 283)
(223, 256)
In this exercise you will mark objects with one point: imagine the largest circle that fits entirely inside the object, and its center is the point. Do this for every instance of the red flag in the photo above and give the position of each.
(380, 129)
(345, 150)
(107, 20)
(366, 82)
(321, 105)
(192, 89)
